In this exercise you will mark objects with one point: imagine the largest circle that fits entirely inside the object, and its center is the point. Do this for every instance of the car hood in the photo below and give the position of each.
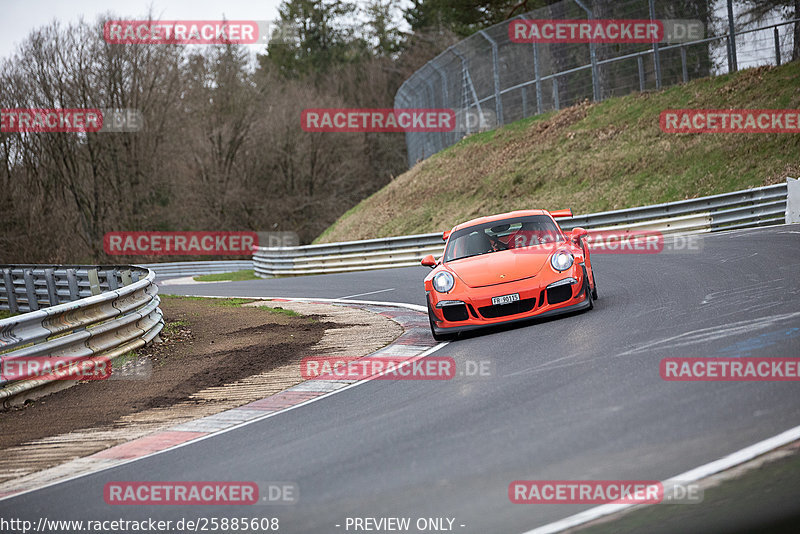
(500, 267)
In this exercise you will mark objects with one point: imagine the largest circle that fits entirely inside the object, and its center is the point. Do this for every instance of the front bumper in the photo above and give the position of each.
(535, 301)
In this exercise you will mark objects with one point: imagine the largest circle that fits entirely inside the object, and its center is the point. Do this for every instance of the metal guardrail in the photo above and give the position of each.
(740, 209)
(85, 315)
(195, 268)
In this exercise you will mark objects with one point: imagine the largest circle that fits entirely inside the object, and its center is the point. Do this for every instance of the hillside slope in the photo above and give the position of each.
(590, 157)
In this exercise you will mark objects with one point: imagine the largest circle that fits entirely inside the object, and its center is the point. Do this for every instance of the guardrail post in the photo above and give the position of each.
(72, 283)
(52, 293)
(111, 278)
(8, 282)
(792, 201)
(777, 47)
(126, 277)
(94, 281)
(30, 290)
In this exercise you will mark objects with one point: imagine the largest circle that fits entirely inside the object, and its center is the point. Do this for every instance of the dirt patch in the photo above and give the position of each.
(217, 356)
(205, 345)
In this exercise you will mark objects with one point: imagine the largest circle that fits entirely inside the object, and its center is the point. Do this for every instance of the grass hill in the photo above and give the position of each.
(590, 157)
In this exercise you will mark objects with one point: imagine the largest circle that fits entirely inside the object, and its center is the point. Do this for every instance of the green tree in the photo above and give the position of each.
(382, 31)
(314, 35)
(465, 17)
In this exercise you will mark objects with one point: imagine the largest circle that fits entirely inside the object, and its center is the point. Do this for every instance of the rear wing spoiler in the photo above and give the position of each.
(557, 214)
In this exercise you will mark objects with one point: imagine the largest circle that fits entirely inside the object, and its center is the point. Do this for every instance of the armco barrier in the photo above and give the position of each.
(195, 268)
(82, 314)
(740, 209)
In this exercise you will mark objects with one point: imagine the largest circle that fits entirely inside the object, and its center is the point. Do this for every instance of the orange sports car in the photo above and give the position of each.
(506, 268)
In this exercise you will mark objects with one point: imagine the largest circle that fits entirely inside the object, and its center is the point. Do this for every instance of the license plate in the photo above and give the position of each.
(505, 299)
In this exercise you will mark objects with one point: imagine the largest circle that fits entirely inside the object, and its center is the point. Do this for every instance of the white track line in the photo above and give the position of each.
(251, 421)
(693, 475)
(370, 293)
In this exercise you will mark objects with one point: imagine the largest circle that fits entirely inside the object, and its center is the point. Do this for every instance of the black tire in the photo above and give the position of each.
(594, 288)
(436, 337)
(589, 295)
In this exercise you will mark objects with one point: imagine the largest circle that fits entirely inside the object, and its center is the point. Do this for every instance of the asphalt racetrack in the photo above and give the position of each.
(570, 398)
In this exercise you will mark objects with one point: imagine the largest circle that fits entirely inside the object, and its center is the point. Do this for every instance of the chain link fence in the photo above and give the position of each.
(490, 81)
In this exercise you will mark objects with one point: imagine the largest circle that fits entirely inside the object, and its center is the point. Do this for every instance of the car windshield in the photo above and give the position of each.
(514, 233)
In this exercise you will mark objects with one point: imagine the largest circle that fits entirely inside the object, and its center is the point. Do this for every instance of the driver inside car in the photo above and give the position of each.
(529, 234)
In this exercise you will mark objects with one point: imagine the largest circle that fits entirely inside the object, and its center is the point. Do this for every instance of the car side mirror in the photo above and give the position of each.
(445, 235)
(429, 261)
(578, 234)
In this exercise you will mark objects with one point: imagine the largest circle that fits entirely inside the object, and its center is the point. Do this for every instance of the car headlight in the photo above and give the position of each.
(562, 260)
(443, 282)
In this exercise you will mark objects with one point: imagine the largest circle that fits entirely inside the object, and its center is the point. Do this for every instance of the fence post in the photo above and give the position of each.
(640, 64)
(498, 99)
(438, 144)
(684, 69)
(733, 67)
(446, 100)
(555, 93)
(538, 79)
(777, 47)
(656, 56)
(592, 56)
(469, 87)
(524, 101)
